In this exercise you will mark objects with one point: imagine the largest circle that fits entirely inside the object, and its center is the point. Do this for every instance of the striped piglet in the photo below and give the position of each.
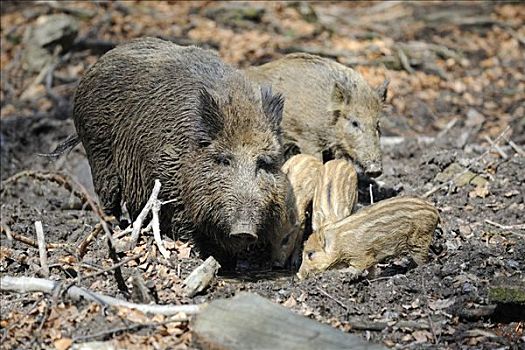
(386, 229)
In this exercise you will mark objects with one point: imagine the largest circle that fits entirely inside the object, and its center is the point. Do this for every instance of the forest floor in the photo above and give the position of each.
(457, 86)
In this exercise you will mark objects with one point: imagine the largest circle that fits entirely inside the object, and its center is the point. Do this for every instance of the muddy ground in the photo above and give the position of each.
(457, 77)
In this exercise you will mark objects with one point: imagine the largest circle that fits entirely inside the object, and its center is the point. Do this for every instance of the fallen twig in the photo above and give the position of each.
(137, 224)
(340, 303)
(386, 278)
(7, 232)
(153, 204)
(103, 220)
(42, 248)
(360, 324)
(201, 277)
(405, 63)
(447, 128)
(101, 272)
(155, 224)
(506, 227)
(467, 169)
(496, 147)
(29, 241)
(316, 50)
(78, 190)
(59, 179)
(31, 284)
(113, 267)
(389, 141)
(140, 293)
(516, 148)
(82, 247)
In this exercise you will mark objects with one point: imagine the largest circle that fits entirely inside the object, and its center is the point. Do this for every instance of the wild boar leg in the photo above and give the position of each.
(106, 181)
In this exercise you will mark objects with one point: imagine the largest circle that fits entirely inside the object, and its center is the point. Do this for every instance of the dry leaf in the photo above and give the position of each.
(480, 191)
(422, 336)
(174, 328)
(407, 338)
(290, 302)
(441, 303)
(389, 343)
(63, 343)
(4, 253)
(132, 315)
(511, 193)
(183, 250)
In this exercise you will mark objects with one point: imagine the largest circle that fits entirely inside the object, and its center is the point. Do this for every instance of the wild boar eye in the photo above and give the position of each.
(286, 239)
(355, 124)
(310, 255)
(265, 163)
(223, 160)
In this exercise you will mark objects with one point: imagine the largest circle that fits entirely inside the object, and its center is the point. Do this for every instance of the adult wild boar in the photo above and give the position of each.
(329, 108)
(150, 109)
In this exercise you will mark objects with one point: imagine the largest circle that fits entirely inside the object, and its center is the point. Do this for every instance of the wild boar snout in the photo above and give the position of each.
(374, 169)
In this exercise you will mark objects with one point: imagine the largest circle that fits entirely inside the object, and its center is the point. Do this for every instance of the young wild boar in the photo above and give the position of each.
(386, 229)
(302, 171)
(329, 108)
(335, 193)
(150, 109)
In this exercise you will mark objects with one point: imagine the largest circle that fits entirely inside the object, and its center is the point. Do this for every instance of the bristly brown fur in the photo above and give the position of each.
(150, 109)
(328, 107)
(386, 229)
(302, 171)
(335, 193)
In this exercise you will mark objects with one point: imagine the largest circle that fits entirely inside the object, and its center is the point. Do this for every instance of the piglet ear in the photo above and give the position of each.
(211, 121)
(273, 106)
(329, 240)
(382, 90)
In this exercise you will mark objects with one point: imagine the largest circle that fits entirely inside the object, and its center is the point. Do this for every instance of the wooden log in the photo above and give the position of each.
(249, 321)
(508, 295)
(507, 291)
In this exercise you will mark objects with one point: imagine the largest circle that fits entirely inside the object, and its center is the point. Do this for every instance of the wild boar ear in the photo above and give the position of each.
(273, 106)
(383, 90)
(337, 100)
(210, 115)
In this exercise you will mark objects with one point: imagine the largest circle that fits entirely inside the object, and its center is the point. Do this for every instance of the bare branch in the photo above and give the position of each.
(42, 248)
(137, 225)
(31, 284)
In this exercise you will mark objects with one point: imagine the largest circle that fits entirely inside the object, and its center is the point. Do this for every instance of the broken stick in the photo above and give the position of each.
(155, 225)
(496, 147)
(137, 224)
(29, 241)
(201, 277)
(31, 284)
(153, 204)
(42, 248)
